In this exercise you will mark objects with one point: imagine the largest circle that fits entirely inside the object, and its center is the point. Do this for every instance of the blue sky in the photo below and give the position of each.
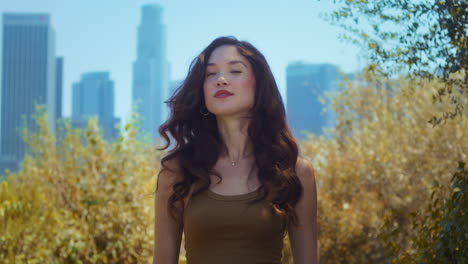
(100, 35)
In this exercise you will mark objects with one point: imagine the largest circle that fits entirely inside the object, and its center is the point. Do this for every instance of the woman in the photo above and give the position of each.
(233, 183)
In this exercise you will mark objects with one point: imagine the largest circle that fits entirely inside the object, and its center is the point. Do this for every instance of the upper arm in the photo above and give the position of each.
(167, 231)
(303, 238)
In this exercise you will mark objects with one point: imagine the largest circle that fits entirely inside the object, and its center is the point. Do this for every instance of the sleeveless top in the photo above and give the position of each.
(225, 229)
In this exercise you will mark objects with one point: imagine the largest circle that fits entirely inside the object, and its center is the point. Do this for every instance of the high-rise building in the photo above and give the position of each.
(93, 96)
(307, 107)
(150, 70)
(28, 78)
(59, 90)
(59, 86)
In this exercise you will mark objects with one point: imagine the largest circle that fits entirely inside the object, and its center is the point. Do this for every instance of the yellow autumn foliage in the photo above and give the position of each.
(381, 163)
(81, 200)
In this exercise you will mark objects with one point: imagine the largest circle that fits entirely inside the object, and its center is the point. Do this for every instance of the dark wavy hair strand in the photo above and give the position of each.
(198, 143)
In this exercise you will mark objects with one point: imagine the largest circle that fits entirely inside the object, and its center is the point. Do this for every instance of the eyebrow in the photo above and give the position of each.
(230, 63)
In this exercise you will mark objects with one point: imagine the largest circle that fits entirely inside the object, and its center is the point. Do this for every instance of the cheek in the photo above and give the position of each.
(250, 87)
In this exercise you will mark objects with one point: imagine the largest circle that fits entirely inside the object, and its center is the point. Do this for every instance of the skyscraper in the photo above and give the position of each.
(150, 70)
(93, 96)
(306, 88)
(59, 86)
(58, 89)
(28, 78)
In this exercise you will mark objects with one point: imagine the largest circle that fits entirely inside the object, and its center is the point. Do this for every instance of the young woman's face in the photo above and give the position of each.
(229, 86)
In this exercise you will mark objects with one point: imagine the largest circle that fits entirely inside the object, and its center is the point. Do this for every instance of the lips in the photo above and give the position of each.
(222, 94)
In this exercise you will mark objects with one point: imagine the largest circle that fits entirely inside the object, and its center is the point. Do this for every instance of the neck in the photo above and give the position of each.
(237, 145)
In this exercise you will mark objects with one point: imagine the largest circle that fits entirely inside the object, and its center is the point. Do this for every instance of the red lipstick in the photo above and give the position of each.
(222, 94)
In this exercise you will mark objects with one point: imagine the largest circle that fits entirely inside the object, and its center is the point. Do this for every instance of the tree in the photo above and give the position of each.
(440, 229)
(384, 158)
(425, 39)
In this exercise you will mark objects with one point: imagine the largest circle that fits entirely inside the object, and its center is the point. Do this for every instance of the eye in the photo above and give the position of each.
(237, 72)
(210, 73)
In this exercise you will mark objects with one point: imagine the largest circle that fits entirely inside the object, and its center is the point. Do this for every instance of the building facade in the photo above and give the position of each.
(150, 71)
(93, 96)
(59, 87)
(308, 108)
(28, 79)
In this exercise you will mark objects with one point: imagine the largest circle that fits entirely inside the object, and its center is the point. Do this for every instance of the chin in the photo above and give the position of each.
(222, 113)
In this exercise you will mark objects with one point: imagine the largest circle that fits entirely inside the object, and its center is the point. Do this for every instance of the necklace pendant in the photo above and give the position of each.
(233, 164)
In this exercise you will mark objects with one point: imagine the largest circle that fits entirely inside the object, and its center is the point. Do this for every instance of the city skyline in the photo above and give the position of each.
(105, 39)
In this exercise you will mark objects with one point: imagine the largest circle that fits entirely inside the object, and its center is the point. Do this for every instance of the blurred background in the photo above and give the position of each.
(375, 93)
(107, 55)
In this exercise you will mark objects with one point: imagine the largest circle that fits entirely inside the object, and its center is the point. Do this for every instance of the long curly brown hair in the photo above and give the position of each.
(199, 144)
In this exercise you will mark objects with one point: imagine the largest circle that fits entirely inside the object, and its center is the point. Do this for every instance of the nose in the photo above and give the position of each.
(221, 81)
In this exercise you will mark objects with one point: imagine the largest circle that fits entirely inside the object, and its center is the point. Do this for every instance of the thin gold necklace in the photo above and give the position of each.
(235, 163)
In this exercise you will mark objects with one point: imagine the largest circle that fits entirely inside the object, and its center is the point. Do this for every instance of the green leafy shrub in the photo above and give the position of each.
(441, 229)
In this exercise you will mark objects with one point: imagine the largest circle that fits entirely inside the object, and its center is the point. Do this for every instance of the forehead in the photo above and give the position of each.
(224, 54)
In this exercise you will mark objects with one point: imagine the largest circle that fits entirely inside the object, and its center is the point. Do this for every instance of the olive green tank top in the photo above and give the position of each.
(225, 229)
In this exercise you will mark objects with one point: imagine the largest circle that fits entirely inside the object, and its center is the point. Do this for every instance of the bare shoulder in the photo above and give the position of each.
(169, 173)
(305, 171)
(303, 236)
(172, 164)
